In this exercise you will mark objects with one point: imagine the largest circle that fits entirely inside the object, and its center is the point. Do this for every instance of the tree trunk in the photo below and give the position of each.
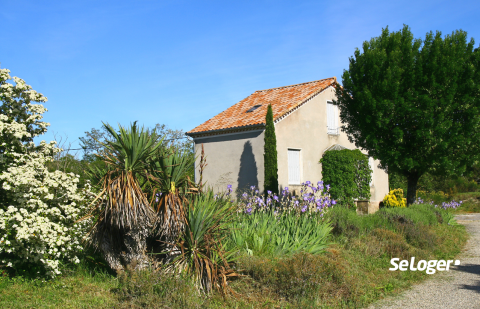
(126, 248)
(412, 188)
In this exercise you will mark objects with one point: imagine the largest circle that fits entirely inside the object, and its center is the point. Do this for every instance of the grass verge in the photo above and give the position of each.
(352, 273)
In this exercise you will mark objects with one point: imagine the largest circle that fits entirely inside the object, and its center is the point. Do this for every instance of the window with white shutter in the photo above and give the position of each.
(294, 166)
(332, 118)
(370, 164)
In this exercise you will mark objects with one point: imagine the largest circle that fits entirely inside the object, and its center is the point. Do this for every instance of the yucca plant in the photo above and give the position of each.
(96, 172)
(203, 255)
(170, 170)
(124, 216)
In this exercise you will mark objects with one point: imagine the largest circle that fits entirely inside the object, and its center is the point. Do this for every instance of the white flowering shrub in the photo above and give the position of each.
(38, 208)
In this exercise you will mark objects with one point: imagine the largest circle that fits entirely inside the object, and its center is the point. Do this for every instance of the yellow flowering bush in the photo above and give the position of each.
(395, 199)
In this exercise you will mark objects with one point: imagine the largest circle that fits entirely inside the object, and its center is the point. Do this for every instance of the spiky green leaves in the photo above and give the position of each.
(171, 169)
(203, 255)
(131, 147)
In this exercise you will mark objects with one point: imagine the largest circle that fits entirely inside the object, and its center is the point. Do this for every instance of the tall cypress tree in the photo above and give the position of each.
(270, 154)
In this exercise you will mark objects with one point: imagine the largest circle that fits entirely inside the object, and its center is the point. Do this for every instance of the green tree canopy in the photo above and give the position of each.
(414, 104)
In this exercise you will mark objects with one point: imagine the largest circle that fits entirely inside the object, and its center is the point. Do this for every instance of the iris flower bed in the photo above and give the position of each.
(312, 199)
(276, 225)
(445, 205)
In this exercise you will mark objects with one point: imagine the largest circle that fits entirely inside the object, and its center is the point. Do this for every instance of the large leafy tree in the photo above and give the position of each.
(414, 104)
(270, 154)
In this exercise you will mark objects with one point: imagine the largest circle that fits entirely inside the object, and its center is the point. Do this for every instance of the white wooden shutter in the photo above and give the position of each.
(294, 166)
(330, 118)
(335, 118)
(370, 164)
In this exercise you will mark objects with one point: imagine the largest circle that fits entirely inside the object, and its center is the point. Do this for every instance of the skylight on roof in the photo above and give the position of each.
(253, 108)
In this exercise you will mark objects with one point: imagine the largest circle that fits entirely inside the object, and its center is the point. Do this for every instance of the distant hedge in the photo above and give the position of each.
(348, 174)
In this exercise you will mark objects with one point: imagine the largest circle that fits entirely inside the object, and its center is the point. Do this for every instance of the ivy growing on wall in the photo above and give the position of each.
(348, 174)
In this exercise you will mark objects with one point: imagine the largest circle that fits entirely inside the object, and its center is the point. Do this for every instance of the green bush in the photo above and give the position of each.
(347, 222)
(435, 183)
(348, 174)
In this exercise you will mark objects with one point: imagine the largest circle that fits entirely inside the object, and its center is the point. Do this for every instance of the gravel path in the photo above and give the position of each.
(458, 288)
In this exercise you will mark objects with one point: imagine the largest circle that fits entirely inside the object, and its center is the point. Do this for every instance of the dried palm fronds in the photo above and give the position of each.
(124, 222)
(124, 216)
(169, 172)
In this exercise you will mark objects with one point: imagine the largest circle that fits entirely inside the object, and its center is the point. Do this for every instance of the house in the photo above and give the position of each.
(306, 125)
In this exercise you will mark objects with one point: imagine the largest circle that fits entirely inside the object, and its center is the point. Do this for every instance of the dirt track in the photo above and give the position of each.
(457, 288)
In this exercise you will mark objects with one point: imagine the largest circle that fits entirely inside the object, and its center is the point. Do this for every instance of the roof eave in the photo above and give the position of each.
(226, 130)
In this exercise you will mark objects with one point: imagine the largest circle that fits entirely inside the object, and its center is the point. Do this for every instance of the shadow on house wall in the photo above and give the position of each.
(247, 175)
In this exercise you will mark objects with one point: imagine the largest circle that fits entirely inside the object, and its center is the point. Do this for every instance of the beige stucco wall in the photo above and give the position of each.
(235, 159)
(306, 129)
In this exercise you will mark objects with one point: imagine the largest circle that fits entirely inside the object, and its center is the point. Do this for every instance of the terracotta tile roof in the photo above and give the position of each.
(283, 100)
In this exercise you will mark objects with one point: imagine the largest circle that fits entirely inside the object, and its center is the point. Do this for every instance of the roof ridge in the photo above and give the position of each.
(313, 81)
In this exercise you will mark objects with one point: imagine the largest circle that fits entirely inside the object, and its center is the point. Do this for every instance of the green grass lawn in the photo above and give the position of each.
(78, 289)
(352, 273)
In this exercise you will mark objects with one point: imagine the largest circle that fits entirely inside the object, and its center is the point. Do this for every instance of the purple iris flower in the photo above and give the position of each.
(269, 192)
(334, 202)
(260, 202)
(328, 187)
(275, 198)
(252, 188)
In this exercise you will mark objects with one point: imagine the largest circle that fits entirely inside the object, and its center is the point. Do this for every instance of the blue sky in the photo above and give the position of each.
(182, 62)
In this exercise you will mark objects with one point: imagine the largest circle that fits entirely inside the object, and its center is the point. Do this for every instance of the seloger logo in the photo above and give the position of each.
(430, 266)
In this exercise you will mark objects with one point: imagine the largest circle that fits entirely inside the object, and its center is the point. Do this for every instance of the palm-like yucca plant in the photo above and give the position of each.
(203, 255)
(170, 170)
(124, 216)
